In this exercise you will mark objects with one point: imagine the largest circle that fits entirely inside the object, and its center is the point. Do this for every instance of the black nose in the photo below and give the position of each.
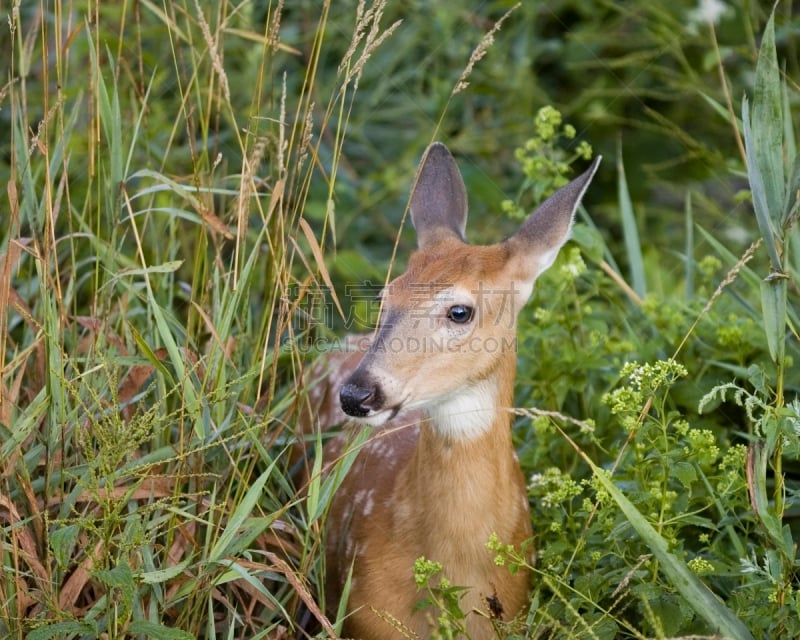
(355, 400)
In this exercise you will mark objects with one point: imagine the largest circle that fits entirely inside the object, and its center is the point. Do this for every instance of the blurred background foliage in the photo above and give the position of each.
(642, 83)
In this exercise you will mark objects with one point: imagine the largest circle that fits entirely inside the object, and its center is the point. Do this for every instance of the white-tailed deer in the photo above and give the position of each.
(440, 475)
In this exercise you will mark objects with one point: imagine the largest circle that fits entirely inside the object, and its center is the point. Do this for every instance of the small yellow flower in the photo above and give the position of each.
(701, 566)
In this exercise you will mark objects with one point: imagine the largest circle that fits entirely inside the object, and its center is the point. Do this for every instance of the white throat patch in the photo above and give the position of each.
(466, 413)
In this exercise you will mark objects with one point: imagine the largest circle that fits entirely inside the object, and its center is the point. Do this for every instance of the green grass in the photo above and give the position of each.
(188, 186)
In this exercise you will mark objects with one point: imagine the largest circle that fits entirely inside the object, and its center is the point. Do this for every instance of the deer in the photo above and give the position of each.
(438, 474)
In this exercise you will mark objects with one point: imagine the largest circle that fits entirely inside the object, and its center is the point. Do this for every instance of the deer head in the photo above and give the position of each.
(445, 341)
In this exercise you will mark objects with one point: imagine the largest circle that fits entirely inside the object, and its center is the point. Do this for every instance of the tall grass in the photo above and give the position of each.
(187, 185)
(149, 277)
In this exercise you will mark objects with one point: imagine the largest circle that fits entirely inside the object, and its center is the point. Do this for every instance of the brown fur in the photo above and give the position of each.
(441, 500)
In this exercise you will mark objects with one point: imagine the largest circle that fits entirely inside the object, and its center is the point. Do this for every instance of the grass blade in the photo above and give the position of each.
(630, 230)
(690, 263)
(773, 307)
(761, 201)
(793, 158)
(240, 515)
(767, 124)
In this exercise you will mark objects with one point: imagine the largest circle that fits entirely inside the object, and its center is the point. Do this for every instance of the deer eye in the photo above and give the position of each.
(460, 313)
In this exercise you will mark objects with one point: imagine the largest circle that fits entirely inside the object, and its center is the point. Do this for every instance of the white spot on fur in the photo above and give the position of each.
(360, 498)
(369, 503)
(380, 448)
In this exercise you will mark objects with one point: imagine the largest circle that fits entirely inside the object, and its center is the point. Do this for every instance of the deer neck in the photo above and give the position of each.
(464, 481)
(476, 410)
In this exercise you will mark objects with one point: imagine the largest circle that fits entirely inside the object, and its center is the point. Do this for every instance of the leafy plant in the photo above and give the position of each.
(674, 530)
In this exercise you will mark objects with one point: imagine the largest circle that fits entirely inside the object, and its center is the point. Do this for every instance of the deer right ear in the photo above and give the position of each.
(536, 243)
(439, 199)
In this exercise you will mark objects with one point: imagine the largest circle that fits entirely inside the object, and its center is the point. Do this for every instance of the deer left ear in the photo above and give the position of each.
(536, 243)
(439, 199)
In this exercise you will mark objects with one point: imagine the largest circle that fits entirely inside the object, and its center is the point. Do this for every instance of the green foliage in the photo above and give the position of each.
(544, 164)
(676, 512)
(442, 598)
(183, 182)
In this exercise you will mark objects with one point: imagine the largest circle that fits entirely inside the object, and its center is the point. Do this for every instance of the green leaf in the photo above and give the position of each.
(761, 203)
(110, 112)
(671, 612)
(773, 308)
(164, 575)
(789, 141)
(684, 472)
(120, 577)
(120, 587)
(326, 487)
(62, 630)
(356, 266)
(167, 267)
(158, 631)
(315, 484)
(192, 402)
(720, 109)
(62, 542)
(187, 193)
(790, 207)
(750, 276)
(152, 358)
(25, 424)
(690, 263)
(590, 240)
(767, 122)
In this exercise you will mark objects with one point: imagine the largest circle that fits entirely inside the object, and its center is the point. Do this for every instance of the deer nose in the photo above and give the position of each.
(355, 400)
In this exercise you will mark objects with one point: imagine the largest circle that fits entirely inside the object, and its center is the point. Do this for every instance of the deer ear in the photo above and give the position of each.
(536, 243)
(439, 199)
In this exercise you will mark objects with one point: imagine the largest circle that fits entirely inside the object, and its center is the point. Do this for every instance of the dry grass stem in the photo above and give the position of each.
(274, 30)
(728, 280)
(369, 18)
(216, 56)
(480, 51)
(586, 427)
